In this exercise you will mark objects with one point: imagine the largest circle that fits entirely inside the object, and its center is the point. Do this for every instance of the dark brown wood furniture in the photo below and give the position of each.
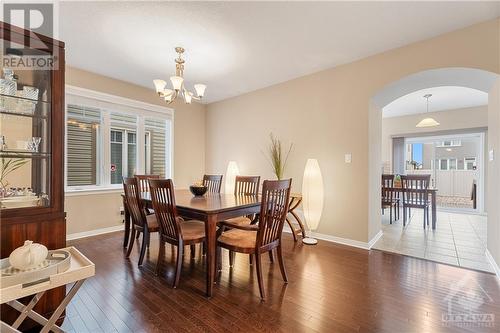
(173, 229)
(390, 199)
(45, 224)
(144, 181)
(211, 208)
(213, 182)
(432, 198)
(141, 222)
(416, 195)
(295, 201)
(265, 237)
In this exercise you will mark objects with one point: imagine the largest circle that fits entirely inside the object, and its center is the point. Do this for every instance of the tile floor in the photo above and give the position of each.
(459, 239)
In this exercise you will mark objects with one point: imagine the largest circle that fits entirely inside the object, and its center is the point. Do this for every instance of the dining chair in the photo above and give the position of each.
(213, 182)
(416, 195)
(390, 197)
(141, 222)
(243, 185)
(173, 229)
(144, 188)
(264, 237)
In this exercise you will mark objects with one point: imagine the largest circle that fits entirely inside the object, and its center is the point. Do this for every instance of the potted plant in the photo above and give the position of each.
(9, 165)
(278, 157)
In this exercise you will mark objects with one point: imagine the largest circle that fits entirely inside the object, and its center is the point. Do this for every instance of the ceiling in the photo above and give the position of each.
(443, 98)
(237, 47)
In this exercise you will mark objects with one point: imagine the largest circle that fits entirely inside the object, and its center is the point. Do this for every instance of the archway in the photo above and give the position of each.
(458, 77)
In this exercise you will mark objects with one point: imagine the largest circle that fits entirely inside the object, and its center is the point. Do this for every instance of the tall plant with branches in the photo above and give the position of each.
(277, 156)
(9, 165)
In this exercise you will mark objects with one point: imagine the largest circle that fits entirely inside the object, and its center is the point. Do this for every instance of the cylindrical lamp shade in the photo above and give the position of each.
(231, 173)
(312, 193)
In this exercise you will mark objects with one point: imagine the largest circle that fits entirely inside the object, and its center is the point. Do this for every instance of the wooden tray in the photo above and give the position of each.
(79, 267)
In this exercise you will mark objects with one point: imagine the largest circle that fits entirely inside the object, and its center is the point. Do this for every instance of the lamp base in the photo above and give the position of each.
(310, 241)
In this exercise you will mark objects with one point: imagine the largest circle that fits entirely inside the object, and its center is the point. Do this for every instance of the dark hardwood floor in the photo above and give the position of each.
(332, 288)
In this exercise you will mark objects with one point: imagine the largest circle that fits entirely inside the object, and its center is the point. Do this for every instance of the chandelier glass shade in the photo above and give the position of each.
(178, 88)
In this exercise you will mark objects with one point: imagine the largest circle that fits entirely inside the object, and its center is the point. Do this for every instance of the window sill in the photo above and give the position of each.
(78, 191)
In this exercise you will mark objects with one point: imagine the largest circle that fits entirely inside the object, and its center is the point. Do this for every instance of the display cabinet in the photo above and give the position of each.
(32, 148)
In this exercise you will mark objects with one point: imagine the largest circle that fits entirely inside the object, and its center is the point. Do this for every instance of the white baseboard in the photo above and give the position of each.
(340, 240)
(94, 232)
(493, 263)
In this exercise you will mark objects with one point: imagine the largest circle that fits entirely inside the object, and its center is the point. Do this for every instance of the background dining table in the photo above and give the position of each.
(433, 193)
(210, 208)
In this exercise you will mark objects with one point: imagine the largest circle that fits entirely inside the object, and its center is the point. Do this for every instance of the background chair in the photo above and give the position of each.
(144, 188)
(415, 195)
(266, 236)
(213, 182)
(141, 222)
(173, 229)
(390, 197)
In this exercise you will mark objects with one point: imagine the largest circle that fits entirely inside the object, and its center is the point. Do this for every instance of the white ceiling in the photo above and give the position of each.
(237, 47)
(443, 98)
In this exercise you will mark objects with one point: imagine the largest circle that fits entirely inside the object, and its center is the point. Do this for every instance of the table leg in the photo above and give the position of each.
(26, 310)
(57, 313)
(127, 224)
(210, 234)
(434, 213)
(6, 328)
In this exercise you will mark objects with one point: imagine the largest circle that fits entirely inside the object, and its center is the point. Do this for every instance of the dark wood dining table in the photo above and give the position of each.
(433, 193)
(211, 208)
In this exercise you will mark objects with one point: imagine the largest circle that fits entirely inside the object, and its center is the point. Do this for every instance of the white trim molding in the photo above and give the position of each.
(493, 263)
(95, 232)
(375, 239)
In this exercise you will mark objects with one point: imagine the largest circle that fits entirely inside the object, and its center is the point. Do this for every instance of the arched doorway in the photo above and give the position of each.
(458, 240)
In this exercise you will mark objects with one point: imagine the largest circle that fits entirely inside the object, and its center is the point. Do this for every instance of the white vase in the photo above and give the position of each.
(28, 256)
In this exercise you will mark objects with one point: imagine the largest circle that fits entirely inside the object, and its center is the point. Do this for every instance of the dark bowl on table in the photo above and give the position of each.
(198, 190)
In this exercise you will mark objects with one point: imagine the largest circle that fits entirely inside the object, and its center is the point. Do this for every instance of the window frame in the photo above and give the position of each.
(107, 104)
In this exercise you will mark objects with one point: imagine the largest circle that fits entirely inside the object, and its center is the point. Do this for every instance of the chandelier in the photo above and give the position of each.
(427, 122)
(178, 87)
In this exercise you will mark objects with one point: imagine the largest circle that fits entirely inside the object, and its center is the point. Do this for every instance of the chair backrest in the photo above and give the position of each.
(135, 205)
(163, 198)
(273, 210)
(213, 182)
(415, 190)
(247, 185)
(388, 193)
(143, 181)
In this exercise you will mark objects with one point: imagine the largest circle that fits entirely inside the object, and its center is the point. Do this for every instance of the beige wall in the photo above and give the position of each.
(466, 118)
(493, 185)
(89, 212)
(327, 115)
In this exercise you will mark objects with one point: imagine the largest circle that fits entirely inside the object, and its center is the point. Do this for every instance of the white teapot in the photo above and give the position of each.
(28, 256)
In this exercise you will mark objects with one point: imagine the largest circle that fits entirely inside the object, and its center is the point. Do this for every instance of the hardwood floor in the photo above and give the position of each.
(332, 288)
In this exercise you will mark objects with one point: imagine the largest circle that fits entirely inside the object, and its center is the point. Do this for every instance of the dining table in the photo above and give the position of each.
(210, 208)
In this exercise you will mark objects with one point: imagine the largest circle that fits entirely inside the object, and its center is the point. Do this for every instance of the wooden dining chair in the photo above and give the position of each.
(144, 188)
(244, 185)
(173, 229)
(264, 237)
(390, 197)
(416, 195)
(213, 182)
(140, 221)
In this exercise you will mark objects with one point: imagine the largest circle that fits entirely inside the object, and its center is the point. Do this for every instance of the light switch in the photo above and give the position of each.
(348, 158)
(491, 157)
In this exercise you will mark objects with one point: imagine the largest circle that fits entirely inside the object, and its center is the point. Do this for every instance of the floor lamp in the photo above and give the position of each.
(231, 173)
(312, 197)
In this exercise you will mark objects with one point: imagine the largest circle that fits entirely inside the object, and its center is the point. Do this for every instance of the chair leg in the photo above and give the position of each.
(192, 249)
(204, 248)
(258, 263)
(161, 254)
(250, 259)
(292, 229)
(231, 258)
(271, 256)
(131, 242)
(427, 216)
(145, 241)
(390, 215)
(178, 264)
(282, 264)
(218, 258)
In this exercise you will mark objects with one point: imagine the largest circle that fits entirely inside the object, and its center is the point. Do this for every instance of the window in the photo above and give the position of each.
(83, 126)
(470, 163)
(449, 143)
(443, 164)
(110, 137)
(452, 163)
